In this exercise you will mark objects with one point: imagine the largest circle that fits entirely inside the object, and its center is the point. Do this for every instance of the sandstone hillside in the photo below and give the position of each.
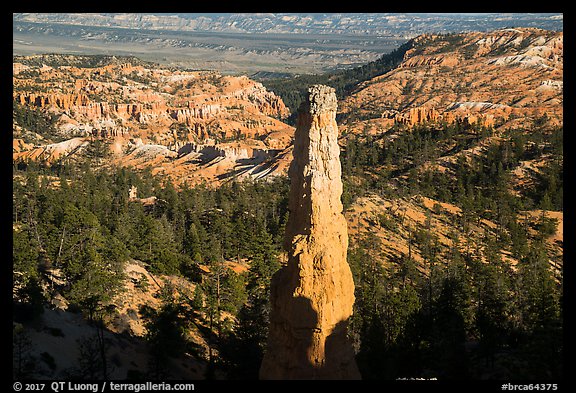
(499, 93)
(64, 329)
(142, 111)
(504, 78)
(399, 225)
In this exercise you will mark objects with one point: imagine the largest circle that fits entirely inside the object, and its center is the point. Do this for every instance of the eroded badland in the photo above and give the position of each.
(450, 166)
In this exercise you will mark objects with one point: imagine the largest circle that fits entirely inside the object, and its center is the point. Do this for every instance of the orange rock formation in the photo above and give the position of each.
(312, 296)
(504, 78)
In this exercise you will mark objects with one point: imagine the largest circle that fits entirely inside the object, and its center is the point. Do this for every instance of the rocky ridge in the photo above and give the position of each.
(503, 79)
(308, 23)
(203, 102)
(51, 152)
(131, 106)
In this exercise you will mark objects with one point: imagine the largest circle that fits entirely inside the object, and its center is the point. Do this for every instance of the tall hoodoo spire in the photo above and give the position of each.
(312, 296)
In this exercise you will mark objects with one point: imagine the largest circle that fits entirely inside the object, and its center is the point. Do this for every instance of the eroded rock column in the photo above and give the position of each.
(312, 296)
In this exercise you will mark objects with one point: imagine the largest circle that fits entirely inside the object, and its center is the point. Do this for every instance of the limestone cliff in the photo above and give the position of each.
(312, 296)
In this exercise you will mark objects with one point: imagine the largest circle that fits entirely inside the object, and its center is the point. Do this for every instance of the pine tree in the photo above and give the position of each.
(539, 308)
(449, 328)
(165, 334)
(493, 308)
(197, 300)
(23, 361)
(538, 291)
